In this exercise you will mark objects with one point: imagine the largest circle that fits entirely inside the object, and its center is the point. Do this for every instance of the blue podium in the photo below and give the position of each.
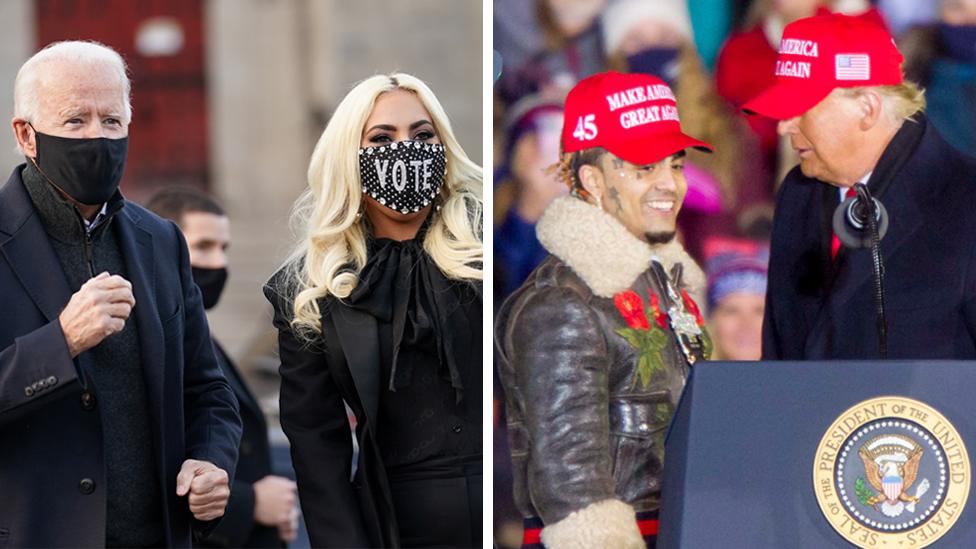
(822, 454)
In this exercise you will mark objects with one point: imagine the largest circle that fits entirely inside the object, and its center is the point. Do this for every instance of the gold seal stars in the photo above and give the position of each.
(891, 472)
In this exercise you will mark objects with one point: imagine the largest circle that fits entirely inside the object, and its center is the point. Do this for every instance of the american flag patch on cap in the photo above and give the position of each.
(852, 66)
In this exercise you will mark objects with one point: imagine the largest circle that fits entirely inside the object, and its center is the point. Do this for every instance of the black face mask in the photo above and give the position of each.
(88, 170)
(661, 62)
(405, 176)
(959, 41)
(211, 283)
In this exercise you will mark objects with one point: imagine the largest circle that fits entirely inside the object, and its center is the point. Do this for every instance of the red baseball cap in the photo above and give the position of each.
(634, 116)
(820, 53)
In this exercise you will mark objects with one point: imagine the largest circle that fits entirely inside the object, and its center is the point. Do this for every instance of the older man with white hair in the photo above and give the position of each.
(118, 428)
(843, 104)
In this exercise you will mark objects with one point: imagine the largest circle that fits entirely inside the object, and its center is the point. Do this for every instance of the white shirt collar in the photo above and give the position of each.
(865, 179)
(90, 225)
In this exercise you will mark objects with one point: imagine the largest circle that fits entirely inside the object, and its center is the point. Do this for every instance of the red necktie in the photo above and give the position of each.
(834, 241)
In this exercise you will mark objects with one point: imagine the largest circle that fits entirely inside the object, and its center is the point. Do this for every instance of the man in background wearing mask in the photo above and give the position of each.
(262, 509)
(648, 36)
(118, 427)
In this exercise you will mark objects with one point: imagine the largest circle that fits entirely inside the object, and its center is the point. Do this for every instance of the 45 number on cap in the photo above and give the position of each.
(586, 128)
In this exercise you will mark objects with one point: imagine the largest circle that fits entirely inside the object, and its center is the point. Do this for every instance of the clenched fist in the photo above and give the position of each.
(96, 311)
(208, 487)
(275, 504)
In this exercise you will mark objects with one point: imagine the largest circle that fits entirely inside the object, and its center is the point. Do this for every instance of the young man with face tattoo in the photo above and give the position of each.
(595, 347)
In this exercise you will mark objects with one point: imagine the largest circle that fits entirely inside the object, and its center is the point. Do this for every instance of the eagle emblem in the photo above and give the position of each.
(892, 482)
(891, 466)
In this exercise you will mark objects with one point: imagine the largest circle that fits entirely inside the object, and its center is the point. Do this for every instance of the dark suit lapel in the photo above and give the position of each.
(829, 200)
(244, 395)
(137, 249)
(357, 335)
(856, 276)
(856, 269)
(892, 183)
(815, 256)
(29, 252)
(33, 259)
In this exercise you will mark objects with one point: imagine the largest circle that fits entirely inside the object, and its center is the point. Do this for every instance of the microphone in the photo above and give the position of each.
(861, 221)
(851, 222)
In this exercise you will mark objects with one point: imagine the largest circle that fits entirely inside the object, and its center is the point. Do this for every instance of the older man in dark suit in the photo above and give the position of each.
(118, 427)
(846, 110)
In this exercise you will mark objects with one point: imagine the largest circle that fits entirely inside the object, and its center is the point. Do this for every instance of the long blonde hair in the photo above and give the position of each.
(331, 249)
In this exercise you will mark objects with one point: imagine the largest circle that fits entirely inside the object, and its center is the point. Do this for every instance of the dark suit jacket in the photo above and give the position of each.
(52, 475)
(819, 309)
(345, 504)
(237, 528)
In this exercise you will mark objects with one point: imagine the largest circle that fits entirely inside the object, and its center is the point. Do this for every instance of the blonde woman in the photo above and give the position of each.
(379, 307)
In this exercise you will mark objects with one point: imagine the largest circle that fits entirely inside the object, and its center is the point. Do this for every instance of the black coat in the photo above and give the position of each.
(819, 309)
(52, 474)
(238, 528)
(345, 504)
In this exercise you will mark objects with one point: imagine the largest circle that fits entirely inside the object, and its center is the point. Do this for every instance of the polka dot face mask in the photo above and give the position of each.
(405, 176)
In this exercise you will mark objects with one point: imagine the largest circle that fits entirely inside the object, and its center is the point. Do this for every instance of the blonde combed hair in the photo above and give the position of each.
(901, 101)
(331, 249)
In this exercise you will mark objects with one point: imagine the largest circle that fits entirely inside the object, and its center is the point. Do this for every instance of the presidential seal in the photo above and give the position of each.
(891, 472)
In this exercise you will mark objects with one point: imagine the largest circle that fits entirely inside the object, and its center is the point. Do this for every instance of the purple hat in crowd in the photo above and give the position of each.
(734, 266)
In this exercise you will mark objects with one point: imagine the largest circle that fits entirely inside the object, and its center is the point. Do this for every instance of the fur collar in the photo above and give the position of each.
(603, 253)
